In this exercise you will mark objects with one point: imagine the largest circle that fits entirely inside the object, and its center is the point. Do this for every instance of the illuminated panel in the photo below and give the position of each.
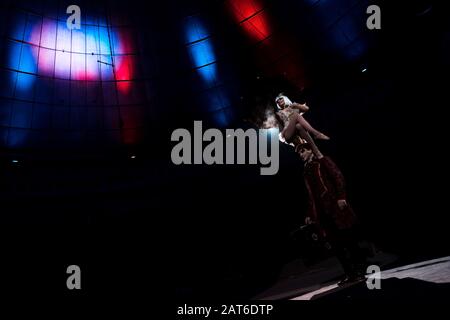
(251, 16)
(85, 54)
(201, 50)
(200, 47)
(56, 73)
(276, 54)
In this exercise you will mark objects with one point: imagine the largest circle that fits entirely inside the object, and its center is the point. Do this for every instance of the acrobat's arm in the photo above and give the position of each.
(302, 107)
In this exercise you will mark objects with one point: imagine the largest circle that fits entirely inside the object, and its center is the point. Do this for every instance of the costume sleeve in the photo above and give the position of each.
(311, 210)
(335, 176)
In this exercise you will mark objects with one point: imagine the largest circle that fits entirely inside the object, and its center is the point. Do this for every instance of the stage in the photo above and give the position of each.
(426, 280)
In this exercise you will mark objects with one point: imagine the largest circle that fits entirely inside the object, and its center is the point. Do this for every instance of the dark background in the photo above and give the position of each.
(223, 231)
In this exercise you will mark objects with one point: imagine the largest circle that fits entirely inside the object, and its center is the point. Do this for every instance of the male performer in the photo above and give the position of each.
(329, 209)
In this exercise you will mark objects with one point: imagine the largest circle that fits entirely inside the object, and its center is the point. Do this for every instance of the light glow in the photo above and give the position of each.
(91, 53)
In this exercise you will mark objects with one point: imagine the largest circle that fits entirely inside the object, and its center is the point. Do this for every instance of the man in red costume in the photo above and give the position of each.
(329, 209)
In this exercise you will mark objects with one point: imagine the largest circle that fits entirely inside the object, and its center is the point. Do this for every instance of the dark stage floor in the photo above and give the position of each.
(423, 281)
(296, 279)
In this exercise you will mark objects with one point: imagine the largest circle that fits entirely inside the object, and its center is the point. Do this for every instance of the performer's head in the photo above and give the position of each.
(305, 152)
(282, 101)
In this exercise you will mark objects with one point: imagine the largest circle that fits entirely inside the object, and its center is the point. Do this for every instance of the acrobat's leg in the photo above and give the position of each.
(305, 124)
(292, 128)
(305, 135)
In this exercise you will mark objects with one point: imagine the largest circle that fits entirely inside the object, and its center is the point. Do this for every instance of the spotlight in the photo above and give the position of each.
(15, 161)
(133, 157)
(364, 70)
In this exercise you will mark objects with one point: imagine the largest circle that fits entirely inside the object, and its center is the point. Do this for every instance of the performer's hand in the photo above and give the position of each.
(342, 204)
(303, 107)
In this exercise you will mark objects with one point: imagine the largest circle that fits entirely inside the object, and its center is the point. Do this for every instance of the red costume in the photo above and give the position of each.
(326, 185)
